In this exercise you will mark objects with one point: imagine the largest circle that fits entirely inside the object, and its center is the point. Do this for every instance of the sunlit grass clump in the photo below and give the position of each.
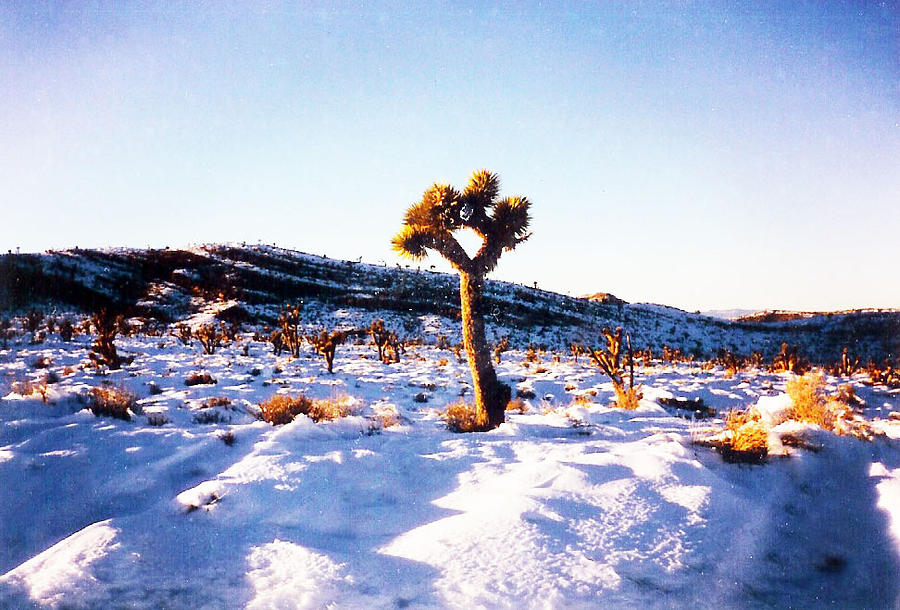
(282, 409)
(462, 417)
(111, 401)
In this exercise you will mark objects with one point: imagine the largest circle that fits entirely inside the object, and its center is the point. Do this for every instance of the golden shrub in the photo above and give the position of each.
(461, 417)
(517, 404)
(809, 404)
(282, 409)
(112, 401)
(627, 398)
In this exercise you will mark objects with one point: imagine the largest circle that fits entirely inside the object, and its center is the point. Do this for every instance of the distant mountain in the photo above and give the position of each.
(251, 283)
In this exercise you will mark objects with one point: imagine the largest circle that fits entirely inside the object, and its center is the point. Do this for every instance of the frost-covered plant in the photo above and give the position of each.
(502, 224)
(112, 401)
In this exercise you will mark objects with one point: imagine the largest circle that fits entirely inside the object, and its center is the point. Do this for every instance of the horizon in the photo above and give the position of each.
(706, 157)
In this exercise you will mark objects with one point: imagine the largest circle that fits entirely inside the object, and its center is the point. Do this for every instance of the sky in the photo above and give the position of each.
(704, 155)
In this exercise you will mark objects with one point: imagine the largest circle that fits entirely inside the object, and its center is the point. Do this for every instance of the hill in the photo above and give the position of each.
(255, 281)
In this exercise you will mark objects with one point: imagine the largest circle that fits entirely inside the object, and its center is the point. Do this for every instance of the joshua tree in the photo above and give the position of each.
(502, 224)
(103, 351)
(379, 336)
(289, 321)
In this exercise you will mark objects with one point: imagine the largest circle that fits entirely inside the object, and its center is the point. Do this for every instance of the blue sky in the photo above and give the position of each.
(697, 154)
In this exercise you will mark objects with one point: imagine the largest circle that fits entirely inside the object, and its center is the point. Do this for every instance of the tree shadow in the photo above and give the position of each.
(806, 531)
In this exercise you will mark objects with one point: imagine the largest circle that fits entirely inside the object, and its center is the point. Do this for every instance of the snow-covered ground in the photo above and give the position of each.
(570, 504)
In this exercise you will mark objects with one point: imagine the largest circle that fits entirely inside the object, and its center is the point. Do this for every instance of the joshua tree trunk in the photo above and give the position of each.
(491, 396)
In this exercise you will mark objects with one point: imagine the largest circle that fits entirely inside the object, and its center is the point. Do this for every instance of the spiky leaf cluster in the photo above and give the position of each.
(430, 223)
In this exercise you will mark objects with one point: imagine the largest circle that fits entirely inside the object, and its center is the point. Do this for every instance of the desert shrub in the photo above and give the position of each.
(885, 374)
(112, 401)
(282, 409)
(211, 416)
(228, 437)
(789, 360)
(501, 347)
(183, 333)
(730, 362)
(66, 330)
(277, 341)
(27, 387)
(216, 401)
(211, 337)
(847, 395)
(576, 349)
(200, 379)
(847, 365)
(808, 401)
(525, 392)
(462, 417)
(157, 419)
(628, 398)
(33, 321)
(327, 409)
(695, 406)
(386, 416)
(517, 404)
(41, 362)
(394, 346)
(746, 439)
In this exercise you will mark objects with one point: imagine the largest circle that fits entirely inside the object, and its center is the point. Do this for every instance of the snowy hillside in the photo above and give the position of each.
(169, 285)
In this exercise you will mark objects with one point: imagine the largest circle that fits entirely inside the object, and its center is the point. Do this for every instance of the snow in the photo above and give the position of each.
(569, 504)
